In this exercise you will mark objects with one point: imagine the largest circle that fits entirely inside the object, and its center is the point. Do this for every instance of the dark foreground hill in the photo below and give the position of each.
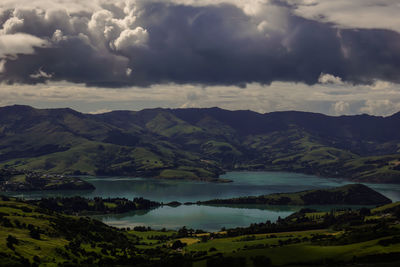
(31, 235)
(353, 194)
(200, 143)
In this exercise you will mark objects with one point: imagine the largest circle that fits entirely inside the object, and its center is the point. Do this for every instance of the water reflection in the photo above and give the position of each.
(196, 217)
(206, 217)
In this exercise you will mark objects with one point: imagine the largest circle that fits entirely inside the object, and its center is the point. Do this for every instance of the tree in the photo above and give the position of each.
(365, 212)
(11, 241)
(35, 233)
(178, 244)
(183, 232)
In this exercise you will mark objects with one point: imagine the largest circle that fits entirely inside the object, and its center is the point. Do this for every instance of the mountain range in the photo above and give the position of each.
(200, 143)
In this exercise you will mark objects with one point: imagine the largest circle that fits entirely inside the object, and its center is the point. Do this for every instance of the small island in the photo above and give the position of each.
(352, 194)
(25, 180)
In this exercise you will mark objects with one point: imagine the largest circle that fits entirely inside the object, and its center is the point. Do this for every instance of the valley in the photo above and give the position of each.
(188, 133)
(197, 187)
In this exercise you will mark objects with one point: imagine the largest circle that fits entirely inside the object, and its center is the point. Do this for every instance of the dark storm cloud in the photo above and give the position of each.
(221, 45)
(149, 43)
(372, 54)
(71, 60)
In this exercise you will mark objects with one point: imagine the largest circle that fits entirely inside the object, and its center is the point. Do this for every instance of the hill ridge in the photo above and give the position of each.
(198, 143)
(351, 194)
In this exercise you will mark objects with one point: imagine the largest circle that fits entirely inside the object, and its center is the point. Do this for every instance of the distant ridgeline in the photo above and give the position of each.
(354, 194)
(199, 144)
(23, 180)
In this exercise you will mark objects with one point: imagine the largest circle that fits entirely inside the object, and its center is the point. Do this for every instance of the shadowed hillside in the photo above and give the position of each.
(353, 194)
(200, 143)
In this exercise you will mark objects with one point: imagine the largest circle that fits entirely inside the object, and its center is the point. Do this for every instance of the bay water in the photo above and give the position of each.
(209, 218)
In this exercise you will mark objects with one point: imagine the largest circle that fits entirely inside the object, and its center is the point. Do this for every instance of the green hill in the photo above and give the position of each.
(33, 236)
(200, 143)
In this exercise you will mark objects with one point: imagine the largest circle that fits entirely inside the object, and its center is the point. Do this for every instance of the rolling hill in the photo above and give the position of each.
(352, 194)
(33, 234)
(200, 143)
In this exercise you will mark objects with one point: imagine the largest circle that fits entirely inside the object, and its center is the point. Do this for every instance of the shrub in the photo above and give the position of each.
(36, 259)
(261, 261)
(226, 261)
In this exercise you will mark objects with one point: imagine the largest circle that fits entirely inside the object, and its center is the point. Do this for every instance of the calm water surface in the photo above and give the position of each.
(204, 217)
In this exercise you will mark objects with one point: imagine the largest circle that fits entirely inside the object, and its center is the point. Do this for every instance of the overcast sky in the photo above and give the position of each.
(334, 57)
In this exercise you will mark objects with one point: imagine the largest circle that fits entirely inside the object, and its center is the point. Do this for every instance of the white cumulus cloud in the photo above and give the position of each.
(329, 78)
(129, 38)
(11, 25)
(13, 44)
(366, 14)
(380, 107)
(341, 107)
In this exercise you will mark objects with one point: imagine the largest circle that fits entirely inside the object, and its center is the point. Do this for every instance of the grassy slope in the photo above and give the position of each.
(157, 142)
(159, 160)
(83, 144)
(298, 151)
(29, 247)
(278, 248)
(168, 125)
(63, 239)
(54, 244)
